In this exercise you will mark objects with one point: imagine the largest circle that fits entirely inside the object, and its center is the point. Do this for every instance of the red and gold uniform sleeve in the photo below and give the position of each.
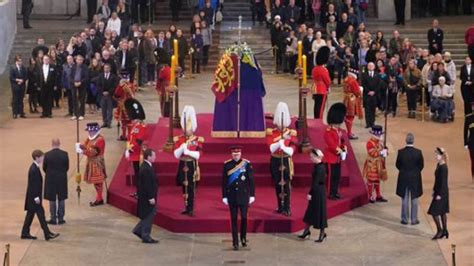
(321, 80)
(136, 138)
(93, 148)
(373, 148)
(163, 80)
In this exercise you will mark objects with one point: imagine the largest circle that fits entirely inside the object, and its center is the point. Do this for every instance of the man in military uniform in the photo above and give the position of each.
(187, 151)
(282, 142)
(335, 151)
(469, 137)
(162, 84)
(125, 90)
(322, 82)
(374, 167)
(93, 148)
(352, 100)
(136, 136)
(238, 192)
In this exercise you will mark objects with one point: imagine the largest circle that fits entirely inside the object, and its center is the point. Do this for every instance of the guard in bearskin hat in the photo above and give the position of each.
(162, 84)
(352, 100)
(321, 82)
(136, 135)
(94, 148)
(125, 90)
(282, 143)
(336, 150)
(188, 151)
(374, 167)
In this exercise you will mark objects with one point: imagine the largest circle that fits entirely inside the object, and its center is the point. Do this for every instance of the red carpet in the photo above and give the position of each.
(211, 215)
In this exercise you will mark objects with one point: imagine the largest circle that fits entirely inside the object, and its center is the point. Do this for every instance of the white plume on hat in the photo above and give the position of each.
(282, 109)
(189, 115)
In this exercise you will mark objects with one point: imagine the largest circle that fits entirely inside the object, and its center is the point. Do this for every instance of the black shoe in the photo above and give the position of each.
(353, 137)
(50, 236)
(96, 203)
(338, 196)
(27, 27)
(279, 210)
(52, 222)
(306, 234)
(184, 212)
(190, 213)
(403, 222)
(287, 213)
(62, 222)
(371, 201)
(150, 241)
(332, 197)
(138, 235)
(104, 125)
(23, 116)
(321, 238)
(28, 237)
(244, 242)
(381, 199)
(235, 247)
(438, 235)
(445, 234)
(415, 222)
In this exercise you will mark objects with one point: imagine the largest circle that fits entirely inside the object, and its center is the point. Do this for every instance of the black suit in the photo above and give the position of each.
(469, 138)
(26, 8)
(147, 189)
(238, 191)
(106, 101)
(18, 90)
(410, 163)
(34, 190)
(46, 89)
(80, 92)
(55, 166)
(128, 65)
(91, 10)
(435, 38)
(307, 50)
(375, 85)
(96, 43)
(400, 11)
(467, 90)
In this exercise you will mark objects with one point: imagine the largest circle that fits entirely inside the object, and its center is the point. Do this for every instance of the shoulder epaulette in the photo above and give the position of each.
(293, 133)
(200, 139)
(269, 131)
(176, 138)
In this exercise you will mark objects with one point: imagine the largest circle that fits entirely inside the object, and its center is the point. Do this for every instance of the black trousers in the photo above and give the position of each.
(234, 209)
(196, 64)
(205, 55)
(470, 51)
(46, 96)
(18, 93)
(143, 228)
(181, 63)
(392, 101)
(91, 10)
(26, 14)
(79, 100)
(276, 172)
(283, 205)
(182, 175)
(467, 7)
(319, 104)
(467, 98)
(136, 170)
(334, 174)
(56, 97)
(258, 11)
(411, 99)
(33, 99)
(400, 10)
(29, 219)
(369, 110)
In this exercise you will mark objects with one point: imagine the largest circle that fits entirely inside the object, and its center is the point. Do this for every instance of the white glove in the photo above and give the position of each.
(78, 148)
(384, 153)
(343, 155)
(308, 197)
(37, 200)
(251, 200)
(185, 149)
(281, 142)
(127, 154)
(466, 147)
(224, 200)
(152, 201)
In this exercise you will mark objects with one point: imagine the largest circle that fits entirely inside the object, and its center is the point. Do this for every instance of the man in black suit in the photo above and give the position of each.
(34, 199)
(96, 41)
(238, 191)
(18, 78)
(47, 83)
(372, 85)
(307, 49)
(467, 85)
(400, 11)
(91, 9)
(147, 193)
(80, 81)
(125, 60)
(106, 85)
(55, 166)
(26, 9)
(409, 163)
(469, 137)
(435, 38)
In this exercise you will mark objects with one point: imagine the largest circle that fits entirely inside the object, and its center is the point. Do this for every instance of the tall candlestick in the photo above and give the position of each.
(175, 48)
(305, 77)
(300, 53)
(173, 70)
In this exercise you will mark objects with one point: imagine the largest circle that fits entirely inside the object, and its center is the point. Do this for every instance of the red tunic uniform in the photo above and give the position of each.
(352, 97)
(123, 92)
(374, 168)
(320, 89)
(136, 137)
(334, 145)
(95, 167)
(163, 82)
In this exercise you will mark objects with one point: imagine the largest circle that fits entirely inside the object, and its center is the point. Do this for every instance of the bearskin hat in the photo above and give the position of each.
(322, 56)
(336, 114)
(134, 109)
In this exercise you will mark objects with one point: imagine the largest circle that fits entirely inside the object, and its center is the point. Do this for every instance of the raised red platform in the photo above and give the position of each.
(210, 214)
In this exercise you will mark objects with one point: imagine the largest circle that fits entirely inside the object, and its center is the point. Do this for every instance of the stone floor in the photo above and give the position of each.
(371, 235)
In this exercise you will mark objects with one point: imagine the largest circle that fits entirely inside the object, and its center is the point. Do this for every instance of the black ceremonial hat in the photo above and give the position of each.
(322, 56)
(134, 109)
(336, 114)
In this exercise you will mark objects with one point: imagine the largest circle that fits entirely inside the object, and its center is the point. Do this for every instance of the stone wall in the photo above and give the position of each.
(7, 30)
(386, 10)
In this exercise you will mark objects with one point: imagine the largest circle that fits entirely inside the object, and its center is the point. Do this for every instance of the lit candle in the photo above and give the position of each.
(173, 70)
(175, 48)
(300, 53)
(305, 77)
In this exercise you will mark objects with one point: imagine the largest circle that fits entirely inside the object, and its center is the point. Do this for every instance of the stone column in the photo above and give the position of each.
(386, 10)
(7, 30)
(56, 7)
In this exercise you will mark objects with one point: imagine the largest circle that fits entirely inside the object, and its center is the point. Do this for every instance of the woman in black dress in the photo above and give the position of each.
(316, 214)
(440, 204)
(32, 89)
